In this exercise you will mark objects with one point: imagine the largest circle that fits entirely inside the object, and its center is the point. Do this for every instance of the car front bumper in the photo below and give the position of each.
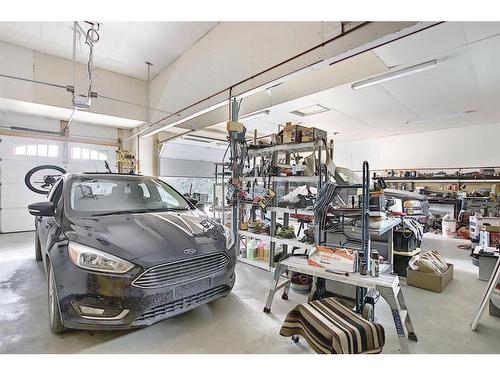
(134, 306)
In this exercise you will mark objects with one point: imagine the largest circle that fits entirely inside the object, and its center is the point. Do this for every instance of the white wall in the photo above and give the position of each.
(186, 168)
(470, 146)
(22, 62)
(145, 155)
(189, 160)
(174, 150)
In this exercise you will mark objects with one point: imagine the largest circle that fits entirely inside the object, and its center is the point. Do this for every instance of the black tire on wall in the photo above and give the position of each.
(31, 172)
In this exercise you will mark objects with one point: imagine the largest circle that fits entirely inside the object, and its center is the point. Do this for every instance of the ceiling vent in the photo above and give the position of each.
(310, 110)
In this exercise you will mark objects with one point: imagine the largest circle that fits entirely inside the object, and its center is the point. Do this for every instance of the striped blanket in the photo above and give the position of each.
(331, 328)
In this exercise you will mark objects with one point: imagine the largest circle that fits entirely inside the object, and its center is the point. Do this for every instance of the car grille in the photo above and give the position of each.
(181, 305)
(182, 271)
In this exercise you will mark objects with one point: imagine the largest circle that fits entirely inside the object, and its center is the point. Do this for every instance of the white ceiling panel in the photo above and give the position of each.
(467, 78)
(486, 59)
(475, 31)
(450, 87)
(123, 46)
(373, 106)
(422, 45)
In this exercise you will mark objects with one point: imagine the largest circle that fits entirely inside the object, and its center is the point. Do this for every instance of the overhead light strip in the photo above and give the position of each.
(194, 115)
(394, 75)
(446, 116)
(310, 110)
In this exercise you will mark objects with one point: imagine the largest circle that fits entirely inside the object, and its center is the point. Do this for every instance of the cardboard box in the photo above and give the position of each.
(313, 134)
(333, 259)
(436, 283)
(291, 133)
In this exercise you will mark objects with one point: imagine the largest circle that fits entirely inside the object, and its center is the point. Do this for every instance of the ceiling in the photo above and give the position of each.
(467, 78)
(123, 46)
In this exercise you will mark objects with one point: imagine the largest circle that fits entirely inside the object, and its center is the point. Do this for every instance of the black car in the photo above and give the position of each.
(124, 251)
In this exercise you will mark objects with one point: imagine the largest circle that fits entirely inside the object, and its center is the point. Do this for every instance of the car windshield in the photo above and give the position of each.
(107, 195)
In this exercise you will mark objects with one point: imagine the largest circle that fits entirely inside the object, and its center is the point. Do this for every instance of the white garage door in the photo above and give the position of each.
(18, 155)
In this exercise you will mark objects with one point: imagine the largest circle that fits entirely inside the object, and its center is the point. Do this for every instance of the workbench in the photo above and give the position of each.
(387, 284)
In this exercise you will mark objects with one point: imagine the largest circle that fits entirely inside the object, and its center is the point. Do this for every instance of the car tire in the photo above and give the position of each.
(55, 321)
(38, 249)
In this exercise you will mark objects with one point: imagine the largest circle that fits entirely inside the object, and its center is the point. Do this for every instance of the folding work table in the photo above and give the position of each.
(388, 285)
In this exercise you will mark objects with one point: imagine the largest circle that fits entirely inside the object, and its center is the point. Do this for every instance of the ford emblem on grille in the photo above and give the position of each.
(189, 251)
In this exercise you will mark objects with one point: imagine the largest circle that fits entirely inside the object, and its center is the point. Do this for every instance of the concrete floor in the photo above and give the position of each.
(236, 324)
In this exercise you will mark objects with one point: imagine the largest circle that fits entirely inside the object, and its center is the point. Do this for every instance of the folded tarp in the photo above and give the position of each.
(331, 328)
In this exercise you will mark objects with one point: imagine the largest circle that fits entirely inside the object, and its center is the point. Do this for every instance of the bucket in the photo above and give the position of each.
(301, 283)
(449, 228)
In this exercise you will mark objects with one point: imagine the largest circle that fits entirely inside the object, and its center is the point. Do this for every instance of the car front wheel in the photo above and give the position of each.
(56, 325)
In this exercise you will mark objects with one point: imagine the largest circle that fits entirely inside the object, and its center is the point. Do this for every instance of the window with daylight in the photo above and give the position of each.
(41, 150)
(80, 153)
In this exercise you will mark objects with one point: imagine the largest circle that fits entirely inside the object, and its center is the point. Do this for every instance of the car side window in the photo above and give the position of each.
(145, 190)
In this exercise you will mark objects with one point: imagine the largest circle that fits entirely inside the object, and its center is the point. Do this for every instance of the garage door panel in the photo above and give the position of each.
(18, 196)
(14, 171)
(16, 220)
(15, 196)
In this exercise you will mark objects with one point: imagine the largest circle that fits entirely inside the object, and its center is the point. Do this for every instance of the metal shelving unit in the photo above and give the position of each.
(220, 209)
(284, 182)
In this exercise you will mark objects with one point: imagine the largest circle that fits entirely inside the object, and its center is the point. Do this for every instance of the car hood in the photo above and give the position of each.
(150, 238)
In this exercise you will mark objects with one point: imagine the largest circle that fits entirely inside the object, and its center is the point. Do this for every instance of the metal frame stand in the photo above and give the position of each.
(492, 284)
(280, 271)
(388, 285)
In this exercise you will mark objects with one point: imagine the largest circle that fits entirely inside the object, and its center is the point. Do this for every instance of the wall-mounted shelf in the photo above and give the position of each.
(492, 179)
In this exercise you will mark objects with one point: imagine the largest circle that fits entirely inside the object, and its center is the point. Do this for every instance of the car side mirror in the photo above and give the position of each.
(42, 209)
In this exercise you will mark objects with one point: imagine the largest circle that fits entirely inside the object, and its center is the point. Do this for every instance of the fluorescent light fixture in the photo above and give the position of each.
(202, 112)
(445, 116)
(310, 110)
(194, 115)
(254, 115)
(394, 75)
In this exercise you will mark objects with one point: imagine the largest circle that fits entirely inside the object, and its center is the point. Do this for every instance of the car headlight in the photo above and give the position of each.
(228, 233)
(95, 260)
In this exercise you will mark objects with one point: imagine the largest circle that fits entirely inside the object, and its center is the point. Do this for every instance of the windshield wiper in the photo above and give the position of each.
(165, 209)
(120, 212)
(140, 211)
